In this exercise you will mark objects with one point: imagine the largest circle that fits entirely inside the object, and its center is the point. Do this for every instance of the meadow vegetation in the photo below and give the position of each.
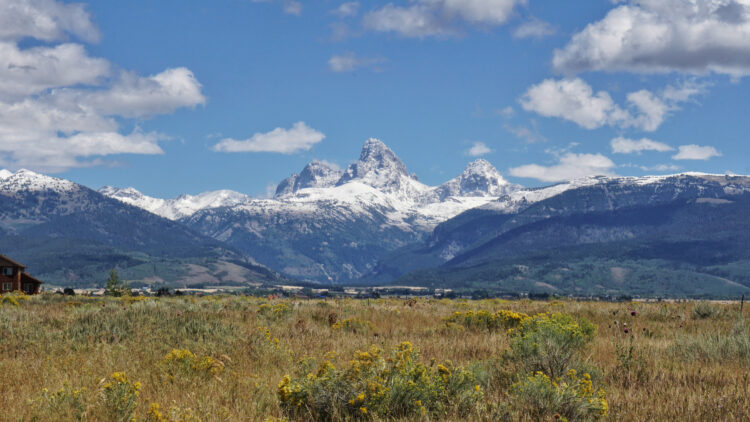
(236, 358)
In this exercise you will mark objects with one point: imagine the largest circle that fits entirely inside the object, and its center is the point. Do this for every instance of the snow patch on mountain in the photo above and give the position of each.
(4, 174)
(516, 200)
(377, 183)
(317, 174)
(379, 167)
(479, 178)
(176, 208)
(27, 181)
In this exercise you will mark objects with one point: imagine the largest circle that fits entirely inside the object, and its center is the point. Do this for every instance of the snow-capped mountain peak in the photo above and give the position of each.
(132, 196)
(27, 180)
(317, 174)
(4, 174)
(479, 178)
(480, 166)
(378, 166)
(121, 193)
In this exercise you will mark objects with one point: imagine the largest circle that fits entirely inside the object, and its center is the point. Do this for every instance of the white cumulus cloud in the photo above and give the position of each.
(299, 137)
(46, 20)
(650, 36)
(136, 96)
(696, 152)
(621, 145)
(571, 99)
(575, 100)
(569, 166)
(60, 108)
(30, 71)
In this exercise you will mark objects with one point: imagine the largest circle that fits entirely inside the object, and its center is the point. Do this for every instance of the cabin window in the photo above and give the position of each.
(8, 271)
(6, 287)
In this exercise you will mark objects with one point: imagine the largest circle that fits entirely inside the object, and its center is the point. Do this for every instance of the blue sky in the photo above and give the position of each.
(183, 96)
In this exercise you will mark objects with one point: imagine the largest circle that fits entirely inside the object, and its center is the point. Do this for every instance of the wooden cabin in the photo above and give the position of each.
(13, 277)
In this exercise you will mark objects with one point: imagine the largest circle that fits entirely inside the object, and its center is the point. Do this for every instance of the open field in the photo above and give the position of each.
(220, 358)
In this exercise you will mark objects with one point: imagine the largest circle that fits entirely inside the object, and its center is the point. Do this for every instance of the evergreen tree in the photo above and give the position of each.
(115, 286)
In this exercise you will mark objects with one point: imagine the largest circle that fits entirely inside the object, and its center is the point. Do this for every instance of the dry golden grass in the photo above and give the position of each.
(671, 365)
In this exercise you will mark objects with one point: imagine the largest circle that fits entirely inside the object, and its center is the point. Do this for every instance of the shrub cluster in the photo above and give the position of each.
(274, 312)
(707, 310)
(549, 343)
(484, 320)
(353, 325)
(13, 299)
(375, 386)
(715, 347)
(566, 398)
(120, 397)
(540, 362)
(186, 363)
(541, 367)
(67, 403)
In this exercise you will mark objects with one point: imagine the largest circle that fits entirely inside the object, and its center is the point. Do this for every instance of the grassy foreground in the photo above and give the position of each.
(245, 359)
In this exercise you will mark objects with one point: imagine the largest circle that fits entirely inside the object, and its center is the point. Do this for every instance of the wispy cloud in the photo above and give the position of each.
(568, 166)
(299, 137)
(428, 18)
(534, 28)
(529, 134)
(478, 149)
(290, 7)
(622, 145)
(696, 152)
(347, 9)
(348, 62)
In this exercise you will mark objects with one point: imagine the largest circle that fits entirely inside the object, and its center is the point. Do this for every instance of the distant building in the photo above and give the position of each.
(13, 277)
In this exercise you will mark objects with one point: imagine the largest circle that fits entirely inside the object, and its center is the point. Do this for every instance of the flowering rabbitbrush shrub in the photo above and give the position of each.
(372, 386)
(13, 299)
(186, 363)
(274, 312)
(549, 343)
(67, 403)
(120, 397)
(484, 320)
(567, 398)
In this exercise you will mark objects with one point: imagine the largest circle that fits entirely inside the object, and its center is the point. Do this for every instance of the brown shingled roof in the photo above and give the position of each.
(29, 277)
(7, 262)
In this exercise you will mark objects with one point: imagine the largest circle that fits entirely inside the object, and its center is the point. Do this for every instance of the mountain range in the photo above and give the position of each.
(68, 234)
(678, 235)
(328, 225)
(374, 222)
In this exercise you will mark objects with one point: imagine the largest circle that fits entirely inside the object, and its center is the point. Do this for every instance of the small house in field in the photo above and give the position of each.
(13, 277)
